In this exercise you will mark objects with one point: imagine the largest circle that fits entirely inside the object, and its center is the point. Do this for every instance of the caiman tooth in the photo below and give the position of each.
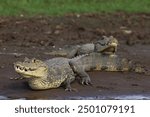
(25, 69)
(21, 68)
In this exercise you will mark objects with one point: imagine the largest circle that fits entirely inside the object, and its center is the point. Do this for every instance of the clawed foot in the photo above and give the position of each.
(71, 89)
(147, 72)
(86, 81)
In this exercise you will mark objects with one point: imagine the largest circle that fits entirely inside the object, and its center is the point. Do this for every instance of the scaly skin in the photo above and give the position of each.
(47, 74)
(105, 45)
(54, 72)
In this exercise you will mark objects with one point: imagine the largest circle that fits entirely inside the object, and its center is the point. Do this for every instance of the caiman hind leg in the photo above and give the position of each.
(67, 83)
(85, 79)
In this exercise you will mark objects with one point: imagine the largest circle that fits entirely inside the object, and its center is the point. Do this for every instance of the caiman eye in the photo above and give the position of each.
(34, 60)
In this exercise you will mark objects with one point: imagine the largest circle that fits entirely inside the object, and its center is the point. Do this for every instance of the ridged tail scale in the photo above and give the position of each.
(98, 61)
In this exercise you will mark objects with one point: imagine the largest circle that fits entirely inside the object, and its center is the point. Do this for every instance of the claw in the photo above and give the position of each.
(82, 82)
(71, 90)
(86, 82)
(90, 83)
(68, 89)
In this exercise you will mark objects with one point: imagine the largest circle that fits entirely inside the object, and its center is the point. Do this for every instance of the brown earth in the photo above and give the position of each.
(33, 36)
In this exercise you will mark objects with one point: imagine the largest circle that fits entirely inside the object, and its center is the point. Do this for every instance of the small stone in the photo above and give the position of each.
(2, 66)
(1, 41)
(123, 27)
(78, 15)
(48, 32)
(127, 31)
(21, 15)
(57, 32)
(59, 27)
(4, 49)
(42, 42)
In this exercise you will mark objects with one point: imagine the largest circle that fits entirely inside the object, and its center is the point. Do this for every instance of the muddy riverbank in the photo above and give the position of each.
(35, 36)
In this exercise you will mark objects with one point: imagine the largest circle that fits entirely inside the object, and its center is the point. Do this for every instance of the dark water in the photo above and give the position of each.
(119, 97)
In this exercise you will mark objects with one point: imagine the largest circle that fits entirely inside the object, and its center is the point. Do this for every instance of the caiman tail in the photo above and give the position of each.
(98, 61)
(116, 63)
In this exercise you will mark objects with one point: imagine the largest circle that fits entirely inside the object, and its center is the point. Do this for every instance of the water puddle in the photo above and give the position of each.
(117, 97)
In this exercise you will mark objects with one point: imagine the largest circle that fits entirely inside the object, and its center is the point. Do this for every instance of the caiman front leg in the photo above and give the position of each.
(85, 79)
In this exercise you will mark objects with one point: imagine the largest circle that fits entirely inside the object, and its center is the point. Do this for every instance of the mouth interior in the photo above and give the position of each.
(113, 44)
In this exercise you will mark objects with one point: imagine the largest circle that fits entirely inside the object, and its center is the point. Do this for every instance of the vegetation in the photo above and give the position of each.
(59, 7)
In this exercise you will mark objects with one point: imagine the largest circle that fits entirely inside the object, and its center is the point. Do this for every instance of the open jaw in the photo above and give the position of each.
(111, 48)
(25, 71)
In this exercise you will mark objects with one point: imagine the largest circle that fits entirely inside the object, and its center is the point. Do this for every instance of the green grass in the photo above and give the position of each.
(59, 7)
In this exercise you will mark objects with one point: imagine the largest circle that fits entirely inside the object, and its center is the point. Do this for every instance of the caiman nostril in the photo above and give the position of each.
(25, 69)
(17, 66)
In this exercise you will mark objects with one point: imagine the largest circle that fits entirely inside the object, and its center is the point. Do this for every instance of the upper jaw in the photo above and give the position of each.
(22, 71)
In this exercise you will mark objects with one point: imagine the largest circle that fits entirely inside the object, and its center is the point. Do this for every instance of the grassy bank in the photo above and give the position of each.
(58, 7)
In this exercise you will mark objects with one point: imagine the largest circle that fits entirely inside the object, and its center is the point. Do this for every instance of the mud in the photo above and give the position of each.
(34, 36)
